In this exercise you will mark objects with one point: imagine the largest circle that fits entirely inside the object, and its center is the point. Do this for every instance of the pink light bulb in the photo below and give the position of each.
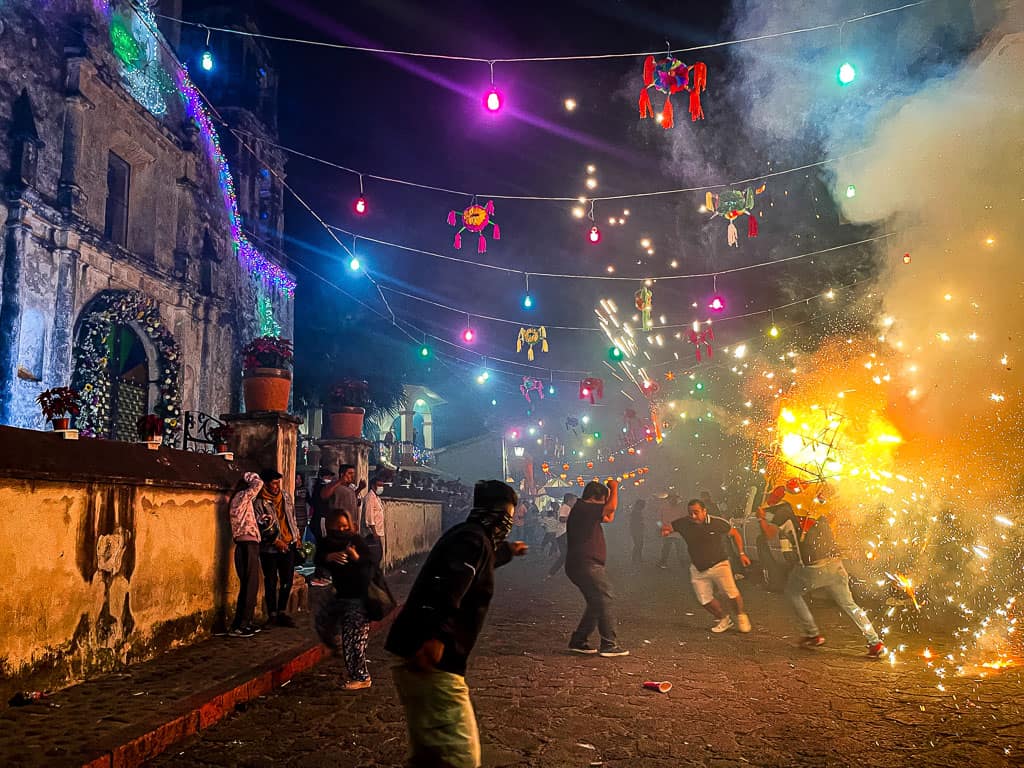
(468, 335)
(595, 235)
(717, 304)
(493, 101)
(360, 206)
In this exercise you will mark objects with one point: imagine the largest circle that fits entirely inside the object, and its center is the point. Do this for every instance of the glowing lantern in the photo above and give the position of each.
(493, 102)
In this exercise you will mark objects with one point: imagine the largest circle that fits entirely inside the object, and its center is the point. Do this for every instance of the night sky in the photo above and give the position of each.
(421, 120)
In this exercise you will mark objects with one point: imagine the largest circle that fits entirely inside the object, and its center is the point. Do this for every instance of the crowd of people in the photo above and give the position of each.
(434, 633)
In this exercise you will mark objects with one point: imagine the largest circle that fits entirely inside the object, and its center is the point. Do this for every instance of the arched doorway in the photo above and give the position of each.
(127, 364)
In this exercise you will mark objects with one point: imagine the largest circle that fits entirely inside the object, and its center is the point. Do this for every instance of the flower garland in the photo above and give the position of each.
(91, 377)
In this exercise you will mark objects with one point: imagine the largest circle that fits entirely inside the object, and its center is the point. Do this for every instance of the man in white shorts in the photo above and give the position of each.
(709, 562)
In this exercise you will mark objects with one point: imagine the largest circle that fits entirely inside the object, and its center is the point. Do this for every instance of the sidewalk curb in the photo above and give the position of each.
(206, 708)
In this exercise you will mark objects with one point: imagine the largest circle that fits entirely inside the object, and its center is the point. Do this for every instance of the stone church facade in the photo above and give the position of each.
(133, 264)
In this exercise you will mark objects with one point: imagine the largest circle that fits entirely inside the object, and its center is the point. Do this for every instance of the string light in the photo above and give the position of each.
(493, 100)
(424, 351)
(851, 191)
(595, 235)
(527, 298)
(206, 59)
(847, 73)
(354, 264)
(570, 105)
(468, 335)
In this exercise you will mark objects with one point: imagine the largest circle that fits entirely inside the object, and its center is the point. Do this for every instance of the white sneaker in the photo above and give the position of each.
(743, 622)
(723, 624)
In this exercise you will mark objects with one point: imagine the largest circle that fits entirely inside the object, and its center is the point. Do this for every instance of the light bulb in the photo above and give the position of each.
(527, 301)
(773, 331)
(424, 351)
(493, 101)
(847, 73)
(354, 264)
(206, 60)
(717, 304)
(595, 235)
(851, 191)
(570, 105)
(468, 335)
(360, 206)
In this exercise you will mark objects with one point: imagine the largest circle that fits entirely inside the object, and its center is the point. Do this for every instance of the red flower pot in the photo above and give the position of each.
(62, 423)
(347, 422)
(267, 389)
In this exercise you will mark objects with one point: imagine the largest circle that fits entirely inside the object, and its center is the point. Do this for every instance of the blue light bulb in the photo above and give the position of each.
(527, 301)
(206, 60)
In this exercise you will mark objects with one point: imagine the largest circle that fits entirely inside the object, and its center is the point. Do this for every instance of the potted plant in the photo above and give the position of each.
(59, 404)
(346, 407)
(220, 435)
(151, 429)
(267, 377)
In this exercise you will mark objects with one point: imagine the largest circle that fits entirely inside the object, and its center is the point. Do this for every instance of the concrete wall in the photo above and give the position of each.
(472, 460)
(410, 528)
(98, 575)
(111, 554)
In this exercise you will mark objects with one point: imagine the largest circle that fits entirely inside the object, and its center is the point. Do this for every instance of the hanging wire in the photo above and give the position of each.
(529, 59)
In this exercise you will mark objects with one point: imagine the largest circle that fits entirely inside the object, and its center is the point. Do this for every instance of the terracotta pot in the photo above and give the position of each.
(266, 389)
(222, 447)
(62, 423)
(347, 422)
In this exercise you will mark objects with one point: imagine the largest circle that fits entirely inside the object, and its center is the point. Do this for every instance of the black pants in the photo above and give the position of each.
(563, 544)
(246, 560)
(638, 545)
(593, 583)
(277, 566)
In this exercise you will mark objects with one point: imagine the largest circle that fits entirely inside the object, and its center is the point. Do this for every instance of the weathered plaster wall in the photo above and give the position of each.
(410, 528)
(101, 574)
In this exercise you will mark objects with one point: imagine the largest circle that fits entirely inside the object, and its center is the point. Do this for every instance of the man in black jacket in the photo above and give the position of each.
(436, 630)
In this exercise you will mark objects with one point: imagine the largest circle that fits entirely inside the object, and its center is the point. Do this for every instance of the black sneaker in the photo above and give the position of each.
(582, 648)
(612, 650)
(241, 632)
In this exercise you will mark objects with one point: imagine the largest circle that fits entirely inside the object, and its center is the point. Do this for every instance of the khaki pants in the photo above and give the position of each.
(441, 722)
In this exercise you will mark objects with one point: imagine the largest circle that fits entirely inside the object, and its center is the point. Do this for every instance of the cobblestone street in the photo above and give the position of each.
(736, 699)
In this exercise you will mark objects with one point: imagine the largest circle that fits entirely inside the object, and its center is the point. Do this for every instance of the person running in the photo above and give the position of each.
(437, 628)
(820, 568)
(672, 510)
(705, 537)
(561, 539)
(637, 529)
(584, 565)
(341, 622)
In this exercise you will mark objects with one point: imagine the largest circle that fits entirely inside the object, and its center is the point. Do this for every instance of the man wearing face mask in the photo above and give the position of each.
(436, 630)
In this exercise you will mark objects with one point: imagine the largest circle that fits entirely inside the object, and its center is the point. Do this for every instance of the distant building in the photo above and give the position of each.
(127, 269)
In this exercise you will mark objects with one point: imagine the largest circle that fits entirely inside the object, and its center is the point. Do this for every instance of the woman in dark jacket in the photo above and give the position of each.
(342, 622)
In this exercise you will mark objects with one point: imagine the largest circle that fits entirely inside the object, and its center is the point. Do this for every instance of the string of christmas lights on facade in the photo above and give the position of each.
(195, 107)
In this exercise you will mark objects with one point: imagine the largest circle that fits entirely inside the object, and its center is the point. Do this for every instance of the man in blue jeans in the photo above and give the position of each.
(820, 568)
(584, 565)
